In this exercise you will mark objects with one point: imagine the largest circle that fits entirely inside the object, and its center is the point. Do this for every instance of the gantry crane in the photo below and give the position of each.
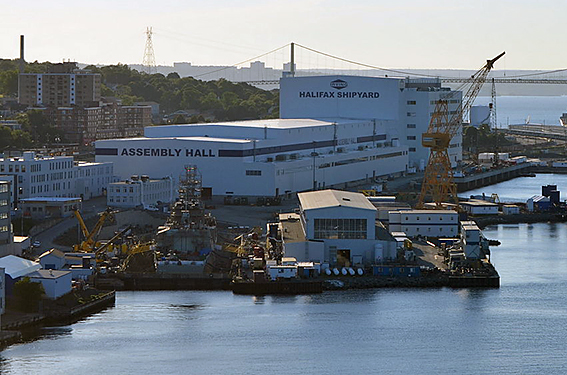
(438, 180)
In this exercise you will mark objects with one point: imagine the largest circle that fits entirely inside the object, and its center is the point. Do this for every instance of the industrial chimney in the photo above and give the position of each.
(22, 61)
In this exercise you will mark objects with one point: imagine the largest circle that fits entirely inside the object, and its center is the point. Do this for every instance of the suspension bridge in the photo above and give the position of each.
(299, 60)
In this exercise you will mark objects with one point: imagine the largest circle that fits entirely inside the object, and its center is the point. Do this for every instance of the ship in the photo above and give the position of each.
(189, 232)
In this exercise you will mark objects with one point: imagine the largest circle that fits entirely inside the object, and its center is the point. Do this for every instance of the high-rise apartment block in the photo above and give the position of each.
(63, 85)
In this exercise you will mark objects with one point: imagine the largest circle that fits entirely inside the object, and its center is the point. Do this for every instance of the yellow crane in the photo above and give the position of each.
(89, 243)
(438, 183)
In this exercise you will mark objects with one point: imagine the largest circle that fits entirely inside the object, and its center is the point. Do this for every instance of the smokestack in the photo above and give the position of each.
(22, 54)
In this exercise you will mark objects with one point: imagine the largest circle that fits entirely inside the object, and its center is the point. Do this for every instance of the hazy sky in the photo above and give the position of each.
(395, 34)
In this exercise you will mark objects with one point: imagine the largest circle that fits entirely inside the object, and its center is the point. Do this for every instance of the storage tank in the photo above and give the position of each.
(480, 114)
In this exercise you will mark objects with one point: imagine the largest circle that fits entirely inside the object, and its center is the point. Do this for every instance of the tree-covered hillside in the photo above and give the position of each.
(221, 100)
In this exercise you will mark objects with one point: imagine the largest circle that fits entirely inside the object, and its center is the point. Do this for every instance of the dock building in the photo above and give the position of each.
(430, 223)
(333, 130)
(335, 227)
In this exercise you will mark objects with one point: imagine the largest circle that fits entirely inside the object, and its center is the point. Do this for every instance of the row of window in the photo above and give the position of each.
(3, 188)
(340, 228)
(3, 228)
(253, 173)
(3, 215)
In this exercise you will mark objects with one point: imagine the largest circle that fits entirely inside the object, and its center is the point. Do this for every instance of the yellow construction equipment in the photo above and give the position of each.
(438, 183)
(89, 243)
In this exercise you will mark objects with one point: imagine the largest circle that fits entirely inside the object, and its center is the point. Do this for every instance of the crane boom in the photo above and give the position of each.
(438, 180)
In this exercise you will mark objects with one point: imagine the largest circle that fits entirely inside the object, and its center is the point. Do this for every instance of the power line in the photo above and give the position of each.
(243, 62)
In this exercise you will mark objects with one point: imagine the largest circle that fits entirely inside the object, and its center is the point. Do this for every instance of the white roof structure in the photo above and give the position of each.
(48, 274)
(334, 198)
(18, 267)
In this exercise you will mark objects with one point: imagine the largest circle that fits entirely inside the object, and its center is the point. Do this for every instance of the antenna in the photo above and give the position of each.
(149, 61)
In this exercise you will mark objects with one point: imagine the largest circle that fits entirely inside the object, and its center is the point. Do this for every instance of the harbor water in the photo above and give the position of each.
(512, 110)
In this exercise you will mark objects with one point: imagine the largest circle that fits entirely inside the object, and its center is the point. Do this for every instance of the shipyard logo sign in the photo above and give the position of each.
(339, 84)
(161, 152)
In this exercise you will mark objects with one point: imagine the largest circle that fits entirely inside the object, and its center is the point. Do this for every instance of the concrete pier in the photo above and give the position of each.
(492, 177)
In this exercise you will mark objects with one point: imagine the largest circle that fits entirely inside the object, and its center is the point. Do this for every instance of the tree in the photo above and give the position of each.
(28, 294)
(5, 137)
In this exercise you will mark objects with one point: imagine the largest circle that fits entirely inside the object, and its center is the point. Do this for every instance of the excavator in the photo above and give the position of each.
(89, 243)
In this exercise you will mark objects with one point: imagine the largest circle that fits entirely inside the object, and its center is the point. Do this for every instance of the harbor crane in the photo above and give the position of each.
(438, 182)
(89, 243)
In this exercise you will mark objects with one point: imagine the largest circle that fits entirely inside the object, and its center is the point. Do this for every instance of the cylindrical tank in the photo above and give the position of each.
(328, 272)
(360, 272)
(344, 271)
(336, 271)
(351, 271)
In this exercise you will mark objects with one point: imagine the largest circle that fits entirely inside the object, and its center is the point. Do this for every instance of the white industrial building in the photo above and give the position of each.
(480, 207)
(92, 179)
(6, 236)
(335, 227)
(140, 191)
(429, 223)
(333, 130)
(56, 176)
(55, 283)
(474, 243)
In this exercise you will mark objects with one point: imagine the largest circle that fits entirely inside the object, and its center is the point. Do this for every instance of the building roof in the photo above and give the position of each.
(54, 252)
(292, 230)
(478, 203)
(48, 274)
(50, 199)
(18, 267)
(334, 198)
(435, 212)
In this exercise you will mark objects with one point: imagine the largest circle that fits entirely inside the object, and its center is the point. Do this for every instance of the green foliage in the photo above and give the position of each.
(39, 129)
(28, 294)
(222, 99)
(482, 139)
(9, 82)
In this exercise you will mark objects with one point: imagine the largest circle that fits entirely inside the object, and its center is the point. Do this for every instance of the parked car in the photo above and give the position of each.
(36, 244)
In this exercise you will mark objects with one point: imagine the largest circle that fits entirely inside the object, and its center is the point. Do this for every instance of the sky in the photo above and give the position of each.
(444, 34)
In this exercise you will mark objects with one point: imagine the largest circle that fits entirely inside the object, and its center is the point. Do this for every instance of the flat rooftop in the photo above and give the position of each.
(292, 230)
(334, 198)
(50, 199)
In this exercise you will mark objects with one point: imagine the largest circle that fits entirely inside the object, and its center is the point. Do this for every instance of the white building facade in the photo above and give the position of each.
(429, 223)
(141, 191)
(6, 235)
(58, 176)
(333, 130)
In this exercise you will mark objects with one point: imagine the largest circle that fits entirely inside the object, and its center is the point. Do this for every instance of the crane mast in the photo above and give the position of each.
(438, 182)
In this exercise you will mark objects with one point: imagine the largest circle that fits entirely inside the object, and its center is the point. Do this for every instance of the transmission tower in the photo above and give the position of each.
(149, 61)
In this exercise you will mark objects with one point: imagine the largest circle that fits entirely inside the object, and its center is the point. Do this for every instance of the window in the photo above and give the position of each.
(253, 173)
(411, 138)
(340, 229)
(412, 149)
(411, 114)
(410, 126)
(411, 102)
